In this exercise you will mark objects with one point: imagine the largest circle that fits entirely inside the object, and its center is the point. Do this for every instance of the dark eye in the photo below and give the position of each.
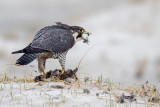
(81, 30)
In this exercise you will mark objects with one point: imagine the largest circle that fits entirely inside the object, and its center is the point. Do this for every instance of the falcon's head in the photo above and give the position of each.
(80, 33)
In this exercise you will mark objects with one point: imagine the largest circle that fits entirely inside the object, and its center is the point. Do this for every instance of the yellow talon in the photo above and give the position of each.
(62, 71)
(44, 74)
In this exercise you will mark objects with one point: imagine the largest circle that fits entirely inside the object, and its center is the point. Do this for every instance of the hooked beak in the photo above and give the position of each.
(87, 33)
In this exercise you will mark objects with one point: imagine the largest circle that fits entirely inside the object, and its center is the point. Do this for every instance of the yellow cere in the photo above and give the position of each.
(82, 30)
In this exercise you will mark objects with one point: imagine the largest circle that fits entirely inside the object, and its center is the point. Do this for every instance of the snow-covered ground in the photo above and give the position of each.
(88, 93)
(125, 40)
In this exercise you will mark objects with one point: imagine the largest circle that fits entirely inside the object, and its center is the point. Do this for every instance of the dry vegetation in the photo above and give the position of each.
(113, 94)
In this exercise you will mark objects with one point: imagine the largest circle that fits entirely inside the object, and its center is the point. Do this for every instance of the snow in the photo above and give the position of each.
(122, 37)
(42, 94)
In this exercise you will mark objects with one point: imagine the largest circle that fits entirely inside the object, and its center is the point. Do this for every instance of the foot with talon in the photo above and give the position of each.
(62, 71)
(44, 75)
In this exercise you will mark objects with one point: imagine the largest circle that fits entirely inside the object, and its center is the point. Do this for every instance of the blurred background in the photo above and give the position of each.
(125, 36)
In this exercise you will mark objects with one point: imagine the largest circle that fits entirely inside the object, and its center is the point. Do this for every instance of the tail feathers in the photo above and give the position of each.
(27, 58)
(29, 50)
(19, 51)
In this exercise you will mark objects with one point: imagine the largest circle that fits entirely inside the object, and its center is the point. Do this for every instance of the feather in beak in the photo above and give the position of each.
(85, 40)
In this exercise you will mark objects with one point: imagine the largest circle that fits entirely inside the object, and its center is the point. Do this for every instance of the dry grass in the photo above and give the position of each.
(113, 93)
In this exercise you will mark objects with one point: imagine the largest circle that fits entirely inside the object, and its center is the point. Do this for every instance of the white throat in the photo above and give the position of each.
(75, 34)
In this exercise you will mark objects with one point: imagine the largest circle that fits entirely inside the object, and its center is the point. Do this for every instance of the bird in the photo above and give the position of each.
(52, 42)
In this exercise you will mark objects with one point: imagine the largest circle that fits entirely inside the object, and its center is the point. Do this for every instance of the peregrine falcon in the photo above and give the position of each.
(52, 42)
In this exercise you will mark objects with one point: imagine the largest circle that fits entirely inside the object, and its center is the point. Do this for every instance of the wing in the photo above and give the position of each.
(53, 39)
